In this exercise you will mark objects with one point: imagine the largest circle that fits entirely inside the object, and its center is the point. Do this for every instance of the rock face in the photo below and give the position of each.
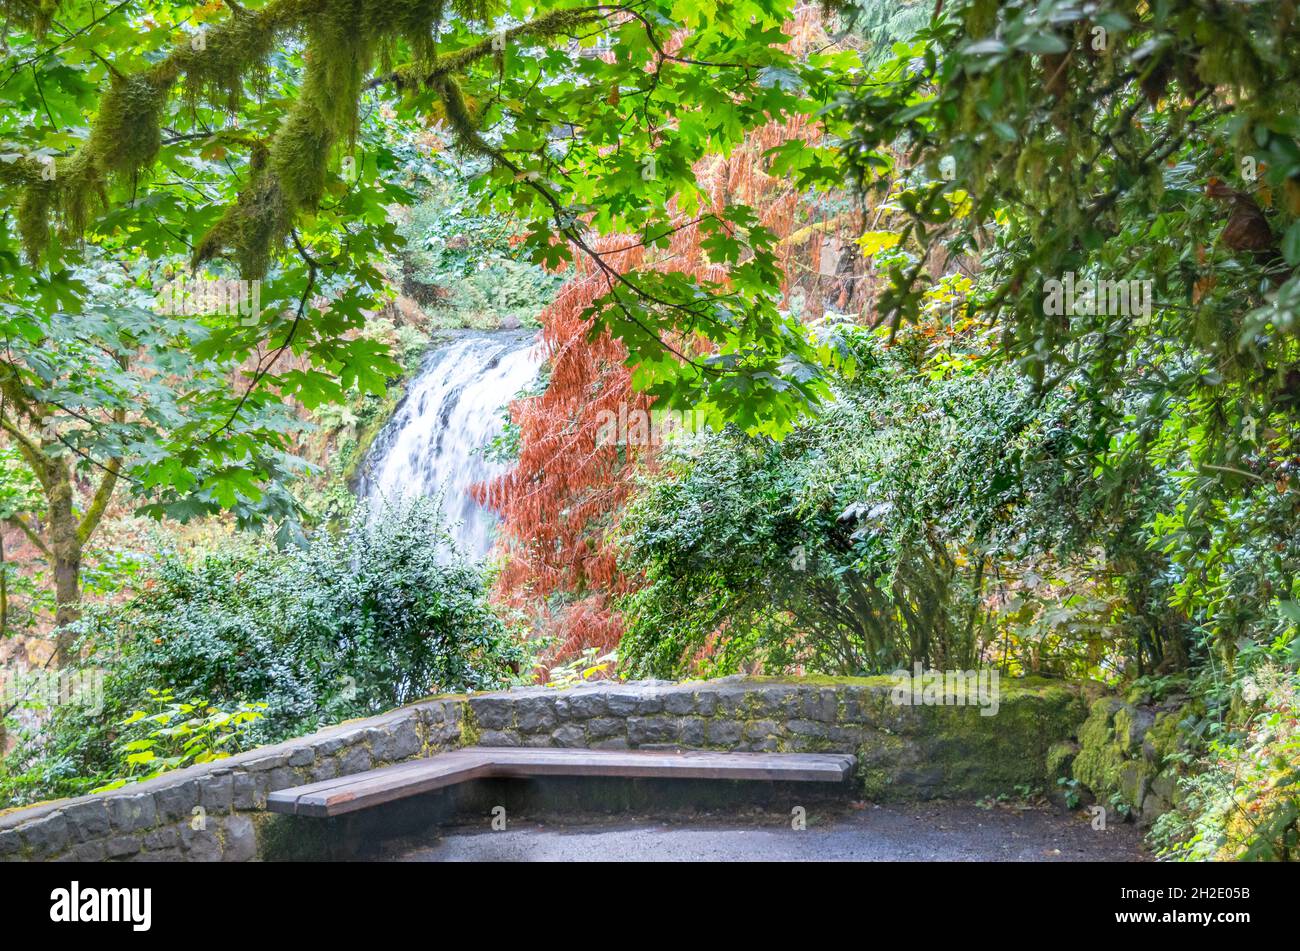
(1123, 758)
(906, 752)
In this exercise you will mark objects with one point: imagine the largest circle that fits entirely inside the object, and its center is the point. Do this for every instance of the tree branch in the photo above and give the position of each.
(107, 483)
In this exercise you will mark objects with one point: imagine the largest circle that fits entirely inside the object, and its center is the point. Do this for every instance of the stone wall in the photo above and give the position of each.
(217, 811)
(1125, 756)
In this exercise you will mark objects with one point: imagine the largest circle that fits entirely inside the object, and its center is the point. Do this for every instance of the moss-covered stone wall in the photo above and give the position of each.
(1125, 757)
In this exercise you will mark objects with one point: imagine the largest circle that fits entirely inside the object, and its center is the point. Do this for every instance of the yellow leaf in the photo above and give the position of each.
(875, 241)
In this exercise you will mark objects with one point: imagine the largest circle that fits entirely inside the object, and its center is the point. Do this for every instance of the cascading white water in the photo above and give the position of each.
(452, 409)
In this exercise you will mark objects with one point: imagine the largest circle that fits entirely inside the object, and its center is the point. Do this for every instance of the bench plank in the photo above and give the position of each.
(692, 764)
(344, 794)
(333, 797)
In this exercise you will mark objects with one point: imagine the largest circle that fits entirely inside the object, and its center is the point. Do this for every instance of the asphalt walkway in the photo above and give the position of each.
(926, 832)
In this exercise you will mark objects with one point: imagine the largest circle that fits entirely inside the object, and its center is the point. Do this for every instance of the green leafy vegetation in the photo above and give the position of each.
(1059, 435)
(171, 735)
(356, 622)
(872, 539)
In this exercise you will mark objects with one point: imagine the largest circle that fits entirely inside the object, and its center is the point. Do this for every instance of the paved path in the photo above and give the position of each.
(927, 832)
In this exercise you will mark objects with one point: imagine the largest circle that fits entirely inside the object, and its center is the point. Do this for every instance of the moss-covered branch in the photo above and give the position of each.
(126, 133)
(556, 23)
(344, 39)
(99, 502)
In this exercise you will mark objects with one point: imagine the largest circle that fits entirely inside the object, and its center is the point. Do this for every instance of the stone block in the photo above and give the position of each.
(581, 706)
(217, 794)
(240, 843)
(679, 703)
(723, 733)
(132, 813)
(498, 738)
(398, 743)
(606, 726)
(46, 837)
(622, 704)
(356, 759)
(642, 731)
(122, 847)
(570, 736)
(249, 790)
(201, 845)
(650, 704)
(88, 820)
(692, 731)
(166, 837)
(492, 713)
(535, 714)
(177, 802)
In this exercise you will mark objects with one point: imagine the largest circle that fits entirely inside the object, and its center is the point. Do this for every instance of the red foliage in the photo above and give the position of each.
(561, 501)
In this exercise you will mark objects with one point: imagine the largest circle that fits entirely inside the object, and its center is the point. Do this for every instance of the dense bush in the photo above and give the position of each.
(1238, 793)
(865, 540)
(953, 514)
(352, 623)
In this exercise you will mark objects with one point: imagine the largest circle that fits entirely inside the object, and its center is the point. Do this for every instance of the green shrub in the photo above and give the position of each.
(1240, 797)
(867, 539)
(375, 616)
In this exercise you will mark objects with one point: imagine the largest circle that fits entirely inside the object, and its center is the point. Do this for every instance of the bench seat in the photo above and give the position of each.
(336, 797)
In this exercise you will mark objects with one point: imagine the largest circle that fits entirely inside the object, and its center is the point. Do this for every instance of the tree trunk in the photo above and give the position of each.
(65, 551)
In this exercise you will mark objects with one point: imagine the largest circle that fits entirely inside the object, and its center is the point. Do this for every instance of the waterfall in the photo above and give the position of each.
(452, 409)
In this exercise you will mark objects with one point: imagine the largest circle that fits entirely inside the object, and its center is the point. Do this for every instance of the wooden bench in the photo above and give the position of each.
(336, 797)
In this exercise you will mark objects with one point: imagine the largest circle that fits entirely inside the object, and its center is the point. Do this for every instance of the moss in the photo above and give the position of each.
(1060, 758)
(1164, 735)
(459, 118)
(480, 10)
(414, 21)
(356, 448)
(34, 210)
(1008, 687)
(985, 755)
(878, 769)
(1110, 760)
(299, 156)
(469, 728)
(127, 133)
(36, 14)
(230, 55)
(953, 750)
(344, 38)
(252, 228)
(283, 838)
(1100, 758)
(64, 199)
(341, 44)
(80, 184)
